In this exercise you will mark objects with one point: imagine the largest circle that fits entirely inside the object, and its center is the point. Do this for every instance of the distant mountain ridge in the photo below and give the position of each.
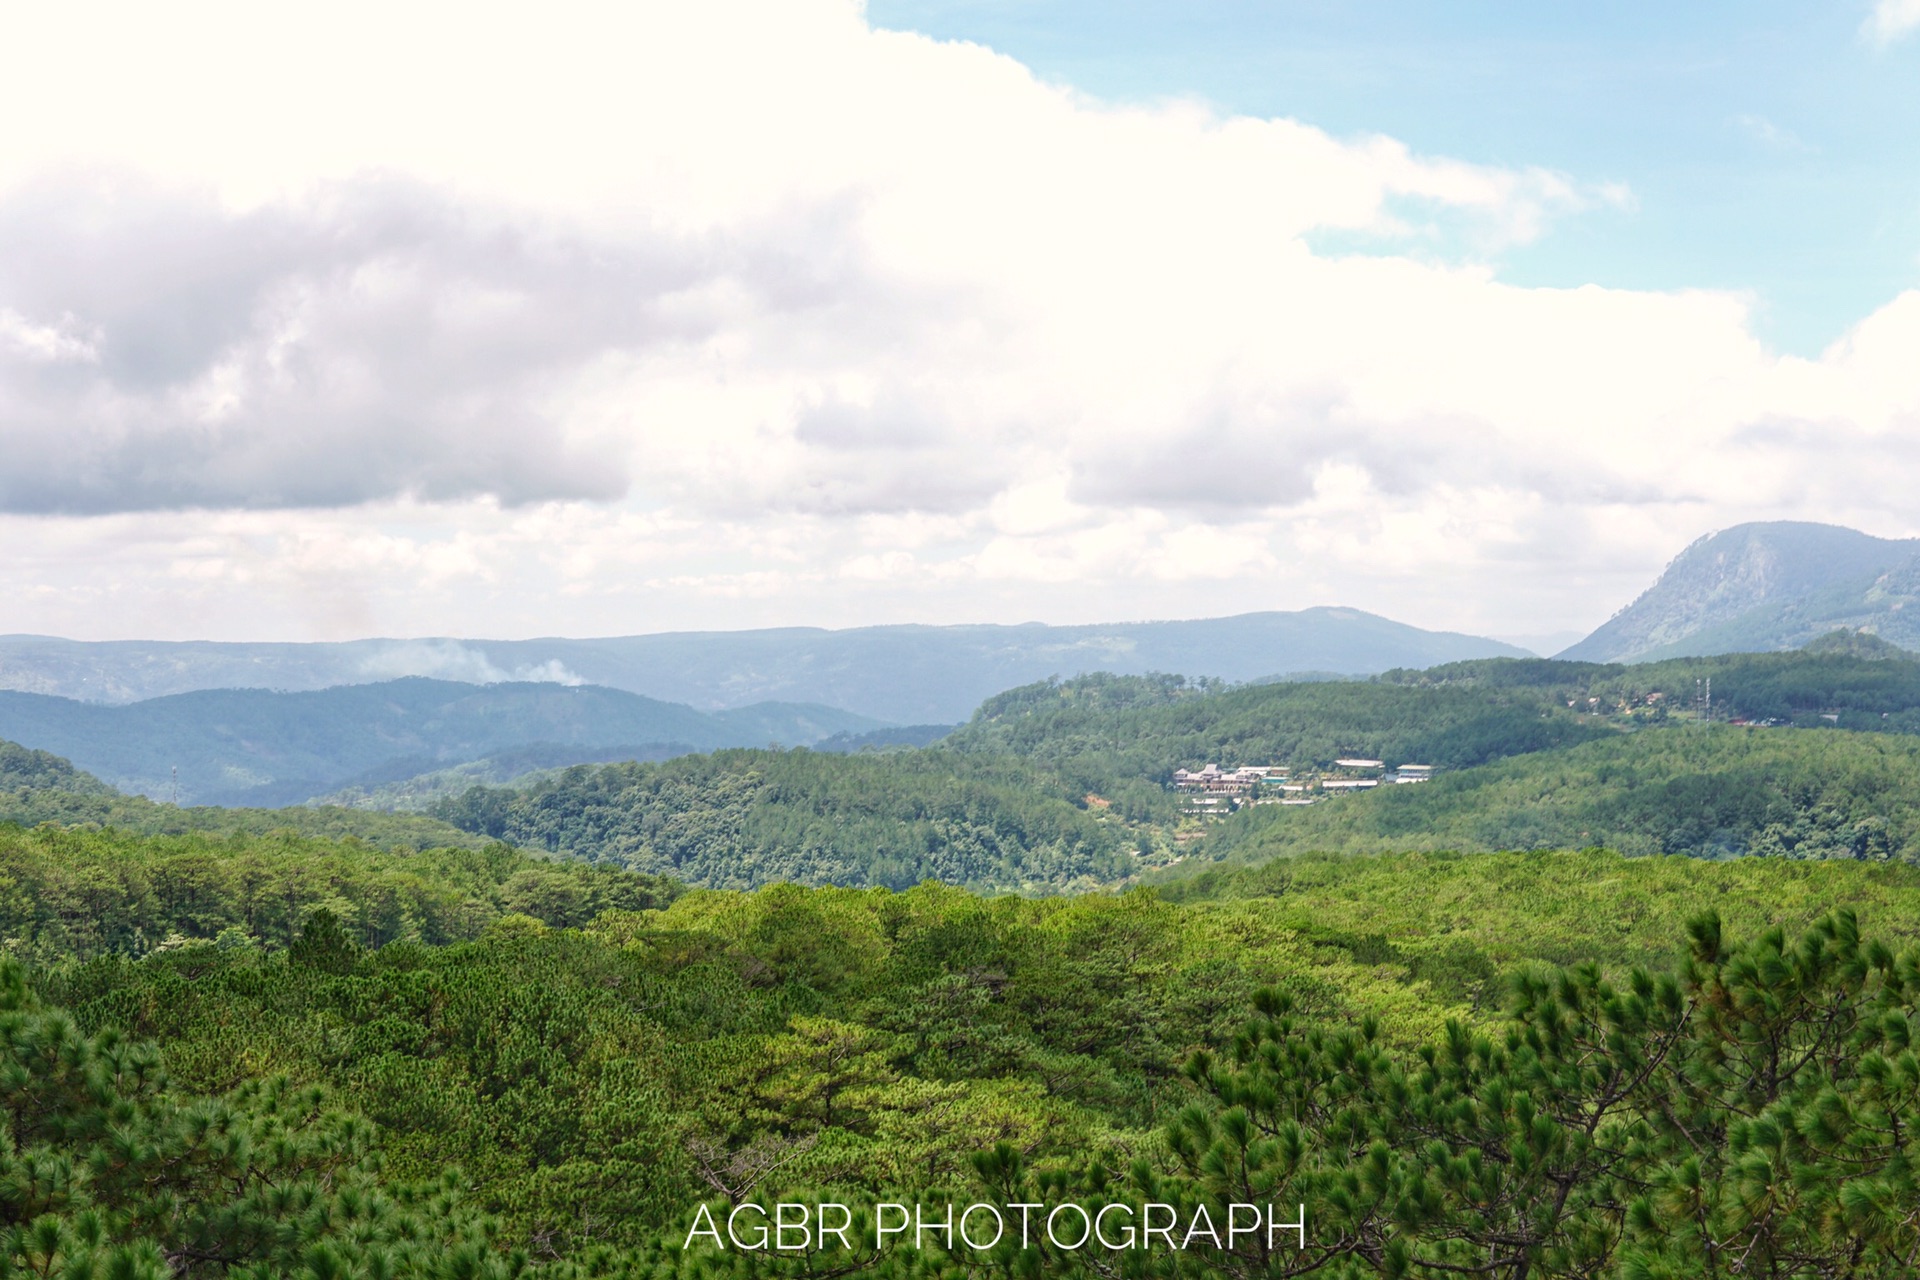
(897, 674)
(259, 748)
(1767, 586)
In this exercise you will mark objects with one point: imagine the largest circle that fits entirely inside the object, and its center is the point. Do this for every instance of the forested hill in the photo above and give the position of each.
(244, 1055)
(39, 787)
(1061, 786)
(1709, 791)
(1056, 786)
(1845, 678)
(85, 893)
(1456, 716)
(739, 819)
(1064, 784)
(1108, 731)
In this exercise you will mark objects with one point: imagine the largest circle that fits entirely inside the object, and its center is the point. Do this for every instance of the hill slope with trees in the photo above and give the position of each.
(80, 893)
(39, 787)
(1843, 679)
(1110, 731)
(1065, 784)
(739, 819)
(1706, 791)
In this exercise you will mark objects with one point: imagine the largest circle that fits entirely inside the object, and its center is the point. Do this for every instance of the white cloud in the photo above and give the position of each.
(22, 339)
(435, 320)
(1892, 19)
(451, 660)
(1771, 135)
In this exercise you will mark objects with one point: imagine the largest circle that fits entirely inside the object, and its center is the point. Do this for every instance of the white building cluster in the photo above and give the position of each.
(1214, 791)
(1238, 781)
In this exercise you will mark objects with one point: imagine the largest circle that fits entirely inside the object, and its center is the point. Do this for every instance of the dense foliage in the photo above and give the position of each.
(597, 1086)
(254, 1052)
(737, 819)
(1847, 681)
(72, 892)
(1063, 785)
(562, 1099)
(1750, 1115)
(1125, 735)
(38, 787)
(1053, 787)
(107, 1170)
(1495, 911)
(1709, 791)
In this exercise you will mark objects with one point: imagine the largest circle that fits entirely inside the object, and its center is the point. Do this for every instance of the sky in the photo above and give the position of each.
(319, 322)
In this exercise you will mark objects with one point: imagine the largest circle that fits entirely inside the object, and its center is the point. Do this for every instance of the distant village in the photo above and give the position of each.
(1215, 792)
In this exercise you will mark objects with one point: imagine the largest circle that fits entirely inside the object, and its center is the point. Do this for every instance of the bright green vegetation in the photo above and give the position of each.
(738, 819)
(78, 893)
(245, 1051)
(1565, 908)
(1053, 787)
(1125, 735)
(1372, 1037)
(1063, 785)
(591, 1085)
(1748, 1115)
(37, 787)
(111, 1171)
(1709, 791)
(1846, 680)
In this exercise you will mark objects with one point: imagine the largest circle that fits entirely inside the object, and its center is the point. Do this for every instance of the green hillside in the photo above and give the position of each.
(1051, 786)
(1708, 791)
(80, 893)
(738, 819)
(1845, 680)
(1064, 785)
(1491, 911)
(1109, 728)
(39, 787)
(315, 1057)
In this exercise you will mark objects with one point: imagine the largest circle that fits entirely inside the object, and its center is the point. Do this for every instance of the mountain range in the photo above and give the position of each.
(260, 748)
(1762, 587)
(894, 674)
(274, 724)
